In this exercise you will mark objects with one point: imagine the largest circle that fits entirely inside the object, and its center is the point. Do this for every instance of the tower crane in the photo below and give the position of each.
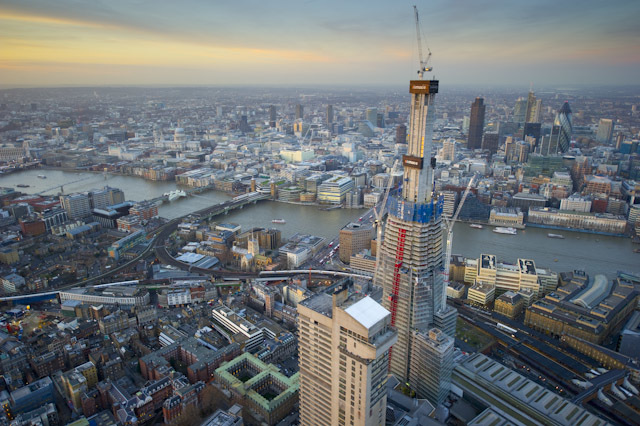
(424, 64)
(449, 229)
(304, 137)
(380, 215)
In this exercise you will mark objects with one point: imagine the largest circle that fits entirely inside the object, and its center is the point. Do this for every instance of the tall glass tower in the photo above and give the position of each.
(565, 128)
(476, 124)
(411, 254)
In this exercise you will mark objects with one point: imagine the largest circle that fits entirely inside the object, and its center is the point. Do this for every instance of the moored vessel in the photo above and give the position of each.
(476, 226)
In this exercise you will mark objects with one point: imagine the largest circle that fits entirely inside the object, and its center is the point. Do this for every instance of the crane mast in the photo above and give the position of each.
(380, 215)
(423, 63)
(449, 227)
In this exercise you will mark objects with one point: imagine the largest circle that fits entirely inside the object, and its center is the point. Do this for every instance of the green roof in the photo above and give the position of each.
(291, 384)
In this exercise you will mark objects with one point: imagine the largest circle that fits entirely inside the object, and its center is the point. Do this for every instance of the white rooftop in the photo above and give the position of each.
(367, 312)
(190, 257)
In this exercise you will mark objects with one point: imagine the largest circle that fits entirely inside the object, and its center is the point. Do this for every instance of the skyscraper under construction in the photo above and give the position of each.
(411, 255)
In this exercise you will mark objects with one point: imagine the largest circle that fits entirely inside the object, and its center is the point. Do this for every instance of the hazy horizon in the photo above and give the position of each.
(328, 43)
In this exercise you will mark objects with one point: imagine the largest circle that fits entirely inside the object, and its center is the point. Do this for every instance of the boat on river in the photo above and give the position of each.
(174, 195)
(507, 231)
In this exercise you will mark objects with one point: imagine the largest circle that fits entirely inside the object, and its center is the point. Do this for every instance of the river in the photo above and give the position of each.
(592, 253)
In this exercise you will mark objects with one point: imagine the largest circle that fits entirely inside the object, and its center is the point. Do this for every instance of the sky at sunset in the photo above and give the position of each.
(217, 42)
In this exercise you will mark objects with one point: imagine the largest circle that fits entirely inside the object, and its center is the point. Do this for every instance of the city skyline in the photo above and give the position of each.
(315, 43)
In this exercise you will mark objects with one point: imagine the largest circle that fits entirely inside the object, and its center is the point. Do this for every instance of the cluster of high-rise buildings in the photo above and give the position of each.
(527, 115)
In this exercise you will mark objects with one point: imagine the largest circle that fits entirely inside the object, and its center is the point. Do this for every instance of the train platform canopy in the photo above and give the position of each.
(198, 260)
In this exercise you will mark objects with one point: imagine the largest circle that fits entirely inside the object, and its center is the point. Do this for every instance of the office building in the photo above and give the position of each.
(619, 140)
(354, 238)
(117, 321)
(548, 144)
(272, 116)
(548, 280)
(476, 124)
(114, 295)
(448, 152)
(634, 215)
(515, 151)
(401, 134)
(507, 128)
(144, 209)
(533, 130)
(334, 190)
(507, 216)
(120, 247)
(13, 282)
(520, 110)
(565, 128)
(456, 290)
(329, 114)
(243, 125)
(503, 276)
(77, 206)
(410, 257)
(491, 142)
(296, 155)
(12, 153)
(44, 415)
(629, 340)
(533, 109)
(605, 130)
(528, 200)
(576, 203)
(362, 263)
(229, 323)
(431, 365)
(299, 112)
(509, 304)
(450, 201)
(343, 349)
(105, 197)
(371, 115)
(32, 396)
(481, 293)
(598, 222)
